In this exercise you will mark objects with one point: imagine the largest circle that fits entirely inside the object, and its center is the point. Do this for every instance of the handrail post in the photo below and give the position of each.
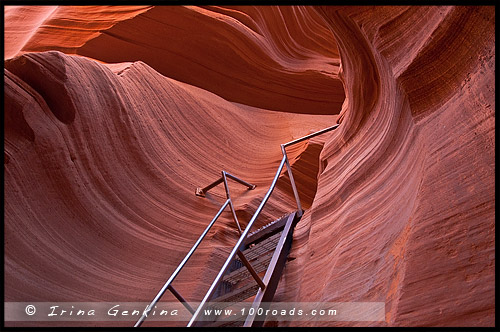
(292, 181)
(289, 169)
(231, 206)
(201, 191)
(180, 298)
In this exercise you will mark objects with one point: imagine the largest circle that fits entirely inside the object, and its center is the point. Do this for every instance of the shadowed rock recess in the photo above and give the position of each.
(115, 114)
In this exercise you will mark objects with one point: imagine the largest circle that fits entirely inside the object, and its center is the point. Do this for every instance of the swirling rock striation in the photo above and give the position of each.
(404, 212)
(100, 177)
(277, 58)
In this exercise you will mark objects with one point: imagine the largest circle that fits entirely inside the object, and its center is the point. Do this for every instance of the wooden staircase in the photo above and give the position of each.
(238, 284)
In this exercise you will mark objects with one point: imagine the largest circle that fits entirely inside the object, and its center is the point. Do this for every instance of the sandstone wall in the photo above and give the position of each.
(115, 114)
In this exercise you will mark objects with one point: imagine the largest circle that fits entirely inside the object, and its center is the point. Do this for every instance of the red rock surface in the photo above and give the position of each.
(404, 211)
(114, 115)
(278, 58)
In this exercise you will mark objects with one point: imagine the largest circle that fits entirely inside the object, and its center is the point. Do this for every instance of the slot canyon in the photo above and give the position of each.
(114, 115)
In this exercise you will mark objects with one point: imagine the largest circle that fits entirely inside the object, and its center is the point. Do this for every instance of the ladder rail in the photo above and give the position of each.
(285, 236)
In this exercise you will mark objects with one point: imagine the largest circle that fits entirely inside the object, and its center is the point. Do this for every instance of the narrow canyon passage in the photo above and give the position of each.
(115, 114)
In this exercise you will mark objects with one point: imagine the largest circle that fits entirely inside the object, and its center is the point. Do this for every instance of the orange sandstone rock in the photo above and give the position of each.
(404, 211)
(115, 114)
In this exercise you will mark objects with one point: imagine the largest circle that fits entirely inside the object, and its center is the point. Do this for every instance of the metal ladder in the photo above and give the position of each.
(249, 258)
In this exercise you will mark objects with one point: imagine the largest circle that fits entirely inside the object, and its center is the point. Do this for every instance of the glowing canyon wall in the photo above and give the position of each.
(115, 114)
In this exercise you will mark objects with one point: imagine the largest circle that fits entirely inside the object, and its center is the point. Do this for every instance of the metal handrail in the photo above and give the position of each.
(289, 168)
(319, 132)
(199, 192)
(239, 245)
(243, 236)
(179, 267)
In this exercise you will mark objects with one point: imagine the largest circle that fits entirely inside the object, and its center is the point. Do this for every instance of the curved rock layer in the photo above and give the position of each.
(277, 58)
(100, 178)
(101, 160)
(404, 212)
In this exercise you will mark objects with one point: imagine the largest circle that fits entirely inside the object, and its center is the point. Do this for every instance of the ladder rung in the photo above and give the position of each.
(262, 247)
(267, 229)
(237, 295)
(250, 268)
(242, 273)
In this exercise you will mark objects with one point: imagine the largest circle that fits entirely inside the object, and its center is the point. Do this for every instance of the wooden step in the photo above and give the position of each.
(262, 247)
(237, 295)
(260, 264)
(267, 230)
(259, 254)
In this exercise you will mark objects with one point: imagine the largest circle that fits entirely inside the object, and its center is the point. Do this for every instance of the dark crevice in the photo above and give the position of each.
(46, 74)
